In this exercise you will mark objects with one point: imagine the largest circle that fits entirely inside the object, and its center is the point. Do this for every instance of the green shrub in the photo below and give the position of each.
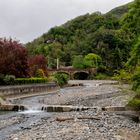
(33, 80)
(122, 75)
(9, 79)
(101, 76)
(136, 80)
(61, 78)
(134, 104)
(40, 73)
(78, 62)
(51, 78)
(92, 60)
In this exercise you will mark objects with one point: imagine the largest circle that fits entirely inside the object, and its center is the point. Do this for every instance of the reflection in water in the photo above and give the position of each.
(5, 112)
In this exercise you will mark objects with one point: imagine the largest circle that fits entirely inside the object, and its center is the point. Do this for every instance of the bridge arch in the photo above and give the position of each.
(81, 75)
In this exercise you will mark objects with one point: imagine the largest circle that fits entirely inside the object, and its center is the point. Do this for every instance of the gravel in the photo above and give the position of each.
(110, 126)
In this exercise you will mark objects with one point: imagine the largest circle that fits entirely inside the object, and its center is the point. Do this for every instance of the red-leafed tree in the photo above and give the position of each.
(37, 62)
(13, 58)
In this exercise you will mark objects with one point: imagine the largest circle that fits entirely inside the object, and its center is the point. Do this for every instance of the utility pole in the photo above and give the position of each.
(57, 63)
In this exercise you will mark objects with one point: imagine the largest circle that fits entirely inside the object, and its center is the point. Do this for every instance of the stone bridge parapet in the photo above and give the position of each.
(71, 71)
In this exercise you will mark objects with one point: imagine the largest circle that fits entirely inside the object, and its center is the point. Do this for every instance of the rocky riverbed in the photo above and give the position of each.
(93, 124)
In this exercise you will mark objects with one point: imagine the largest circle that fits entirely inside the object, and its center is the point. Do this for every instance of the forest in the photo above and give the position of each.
(108, 41)
(98, 34)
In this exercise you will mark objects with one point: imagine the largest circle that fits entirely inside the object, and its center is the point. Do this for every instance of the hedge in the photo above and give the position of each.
(19, 81)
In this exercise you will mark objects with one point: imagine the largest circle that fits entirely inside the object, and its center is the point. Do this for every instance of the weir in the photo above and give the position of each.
(11, 107)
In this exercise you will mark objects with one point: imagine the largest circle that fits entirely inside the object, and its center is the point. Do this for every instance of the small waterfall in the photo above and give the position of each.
(31, 109)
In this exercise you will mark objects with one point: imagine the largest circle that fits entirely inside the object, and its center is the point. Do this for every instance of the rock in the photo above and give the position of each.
(15, 139)
(44, 136)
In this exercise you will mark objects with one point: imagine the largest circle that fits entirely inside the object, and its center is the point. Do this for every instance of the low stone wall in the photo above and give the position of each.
(63, 108)
(68, 108)
(9, 107)
(11, 91)
(114, 108)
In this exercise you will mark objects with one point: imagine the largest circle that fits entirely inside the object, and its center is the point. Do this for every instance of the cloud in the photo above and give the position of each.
(28, 19)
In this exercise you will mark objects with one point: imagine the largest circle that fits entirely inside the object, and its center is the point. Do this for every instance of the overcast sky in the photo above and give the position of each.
(27, 19)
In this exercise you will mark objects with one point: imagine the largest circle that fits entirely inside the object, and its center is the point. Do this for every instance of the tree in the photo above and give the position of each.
(93, 60)
(37, 62)
(13, 58)
(131, 21)
(78, 62)
(134, 60)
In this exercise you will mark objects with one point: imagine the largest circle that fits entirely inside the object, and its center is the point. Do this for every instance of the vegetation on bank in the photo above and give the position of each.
(131, 24)
(11, 80)
(61, 78)
(33, 80)
(17, 67)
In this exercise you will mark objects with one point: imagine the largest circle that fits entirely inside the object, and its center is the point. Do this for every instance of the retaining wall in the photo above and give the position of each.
(11, 91)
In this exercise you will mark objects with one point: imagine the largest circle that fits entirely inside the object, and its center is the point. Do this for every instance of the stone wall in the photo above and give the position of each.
(11, 91)
(10, 107)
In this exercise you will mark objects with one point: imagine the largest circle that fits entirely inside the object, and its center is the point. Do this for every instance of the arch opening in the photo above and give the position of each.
(81, 76)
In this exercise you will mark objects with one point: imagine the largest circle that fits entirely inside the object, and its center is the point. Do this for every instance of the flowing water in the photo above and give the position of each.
(17, 121)
(12, 122)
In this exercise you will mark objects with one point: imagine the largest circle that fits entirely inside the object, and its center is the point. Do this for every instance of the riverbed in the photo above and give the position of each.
(36, 124)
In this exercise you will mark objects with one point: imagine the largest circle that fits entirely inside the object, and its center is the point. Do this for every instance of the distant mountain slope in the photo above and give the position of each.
(119, 11)
(90, 33)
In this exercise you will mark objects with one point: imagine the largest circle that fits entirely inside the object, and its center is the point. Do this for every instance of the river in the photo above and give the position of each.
(92, 93)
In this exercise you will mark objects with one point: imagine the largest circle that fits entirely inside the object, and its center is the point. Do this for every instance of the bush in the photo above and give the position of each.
(134, 104)
(93, 60)
(40, 73)
(78, 62)
(51, 78)
(122, 75)
(101, 76)
(30, 80)
(136, 80)
(9, 79)
(61, 78)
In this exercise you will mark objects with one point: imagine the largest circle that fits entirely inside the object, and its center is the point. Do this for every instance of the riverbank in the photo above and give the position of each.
(20, 91)
(108, 126)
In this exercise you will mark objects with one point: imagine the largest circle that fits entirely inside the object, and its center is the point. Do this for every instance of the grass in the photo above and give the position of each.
(101, 76)
(134, 104)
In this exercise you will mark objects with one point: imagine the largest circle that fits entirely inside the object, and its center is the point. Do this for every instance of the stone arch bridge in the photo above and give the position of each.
(81, 74)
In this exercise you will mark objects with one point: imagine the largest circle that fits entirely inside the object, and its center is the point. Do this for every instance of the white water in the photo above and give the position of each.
(30, 111)
(33, 104)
